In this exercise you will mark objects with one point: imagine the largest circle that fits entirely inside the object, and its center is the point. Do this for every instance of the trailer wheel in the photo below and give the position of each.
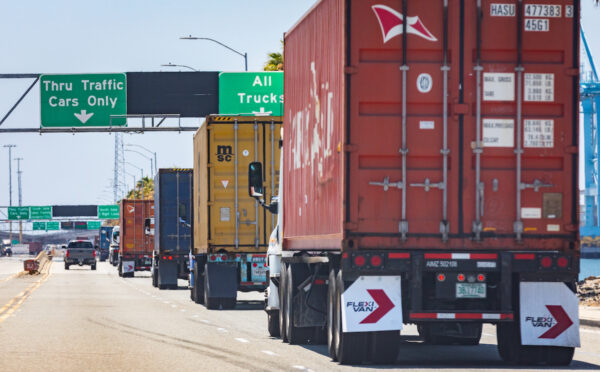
(120, 268)
(94, 267)
(66, 266)
(384, 346)
(512, 351)
(273, 323)
(331, 317)
(350, 346)
(282, 308)
(154, 277)
(295, 335)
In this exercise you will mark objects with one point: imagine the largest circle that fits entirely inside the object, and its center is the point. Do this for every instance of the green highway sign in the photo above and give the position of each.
(41, 213)
(18, 213)
(37, 225)
(83, 100)
(52, 225)
(251, 93)
(108, 212)
(93, 225)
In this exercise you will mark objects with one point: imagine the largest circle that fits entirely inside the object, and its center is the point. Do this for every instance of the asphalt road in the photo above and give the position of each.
(93, 320)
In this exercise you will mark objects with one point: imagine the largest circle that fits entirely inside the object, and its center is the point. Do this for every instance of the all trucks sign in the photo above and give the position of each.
(251, 93)
(83, 100)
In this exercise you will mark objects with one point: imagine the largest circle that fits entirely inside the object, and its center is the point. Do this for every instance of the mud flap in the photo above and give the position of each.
(222, 280)
(549, 314)
(372, 303)
(167, 274)
(128, 266)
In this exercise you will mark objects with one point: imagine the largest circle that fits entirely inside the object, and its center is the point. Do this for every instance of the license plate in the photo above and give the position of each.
(470, 290)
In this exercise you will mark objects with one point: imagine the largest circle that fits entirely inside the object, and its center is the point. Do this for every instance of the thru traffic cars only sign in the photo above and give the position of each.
(83, 100)
(372, 303)
(251, 93)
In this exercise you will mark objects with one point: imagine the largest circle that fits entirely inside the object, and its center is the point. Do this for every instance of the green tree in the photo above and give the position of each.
(147, 185)
(275, 61)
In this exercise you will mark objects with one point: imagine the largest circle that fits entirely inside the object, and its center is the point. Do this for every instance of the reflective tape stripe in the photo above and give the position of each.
(471, 316)
(461, 256)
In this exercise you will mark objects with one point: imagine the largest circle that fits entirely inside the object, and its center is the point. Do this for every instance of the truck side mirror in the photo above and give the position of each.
(255, 180)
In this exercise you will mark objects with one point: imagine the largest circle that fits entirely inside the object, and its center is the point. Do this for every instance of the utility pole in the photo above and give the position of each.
(10, 184)
(20, 197)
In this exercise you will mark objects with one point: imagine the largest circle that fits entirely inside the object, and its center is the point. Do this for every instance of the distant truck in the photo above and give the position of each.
(135, 246)
(35, 248)
(105, 235)
(113, 250)
(5, 248)
(80, 252)
(230, 230)
(172, 226)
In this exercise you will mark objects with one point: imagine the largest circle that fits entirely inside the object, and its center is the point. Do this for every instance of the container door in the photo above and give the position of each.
(522, 86)
(403, 78)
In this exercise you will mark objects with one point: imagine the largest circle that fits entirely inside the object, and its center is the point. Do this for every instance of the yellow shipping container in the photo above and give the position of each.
(226, 219)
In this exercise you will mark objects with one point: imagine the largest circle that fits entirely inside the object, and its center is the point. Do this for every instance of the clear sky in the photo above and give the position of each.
(71, 36)
(74, 36)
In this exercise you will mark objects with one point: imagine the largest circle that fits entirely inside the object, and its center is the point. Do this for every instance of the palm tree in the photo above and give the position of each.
(147, 185)
(275, 61)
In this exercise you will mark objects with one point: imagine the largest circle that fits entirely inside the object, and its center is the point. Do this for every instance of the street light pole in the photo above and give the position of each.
(245, 55)
(150, 152)
(175, 65)
(20, 196)
(144, 156)
(10, 185)
(141, 180)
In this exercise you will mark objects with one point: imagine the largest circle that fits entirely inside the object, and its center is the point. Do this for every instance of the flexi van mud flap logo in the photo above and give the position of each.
(372, 303)
(391, 23)
(549, 314)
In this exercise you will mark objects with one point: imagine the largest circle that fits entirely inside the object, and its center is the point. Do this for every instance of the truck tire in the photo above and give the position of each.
(384, 347)
(228, 303)
(512, 351)
(211, 303)
(273, 323)
(350, 346)
(66, 266)
(282, 308)
(295, 335)
(154, 278)
(331, 316)
(93, 267)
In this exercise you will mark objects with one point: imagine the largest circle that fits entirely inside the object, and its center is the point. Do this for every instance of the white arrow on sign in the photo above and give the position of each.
(83, 116)
(262, 112)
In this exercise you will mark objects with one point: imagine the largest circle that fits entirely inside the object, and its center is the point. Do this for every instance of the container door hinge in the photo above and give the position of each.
(571, 227)
(351, 225)
(350, 70)
(403, 228)
(536, 185)
(349, 147)
(387, 184)
(460, 109)
(444, 230)
(572, 72)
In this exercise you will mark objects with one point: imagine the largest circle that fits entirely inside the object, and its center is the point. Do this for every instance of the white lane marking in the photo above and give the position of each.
(166, 302)
(182, 310)
(222, 330)
(173, 306)
(488, 334)
(242, 340)
(195, 316)
(205, 321)
(269, 352)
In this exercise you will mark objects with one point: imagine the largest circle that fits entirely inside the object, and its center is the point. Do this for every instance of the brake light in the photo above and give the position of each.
(67, 253)
(254, 264)
(546, 262)
(94, 253)
(460, 277)
(224, 257)
(376, 261)
(164, 257)
(562, 262)
(441, 277)
(359, 261)
(170, 257)
(481, 278)
(213, 257)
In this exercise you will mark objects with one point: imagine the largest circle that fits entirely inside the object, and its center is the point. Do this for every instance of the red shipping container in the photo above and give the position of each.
(455, 132)
(134, 241)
